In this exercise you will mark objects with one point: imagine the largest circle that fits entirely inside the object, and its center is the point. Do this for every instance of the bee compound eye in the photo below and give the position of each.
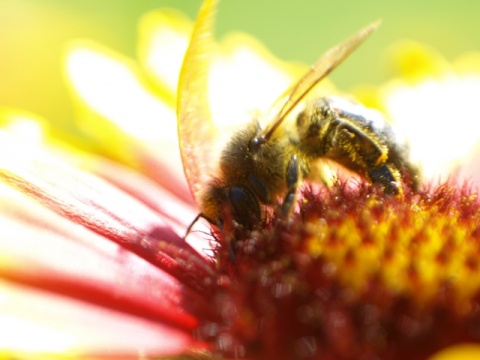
(244, 205)
(259, 188)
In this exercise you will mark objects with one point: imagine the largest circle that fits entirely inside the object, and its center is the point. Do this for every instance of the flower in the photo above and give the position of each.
(94, 264)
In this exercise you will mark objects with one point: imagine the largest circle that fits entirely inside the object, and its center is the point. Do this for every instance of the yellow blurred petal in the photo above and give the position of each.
(32, 131)
(40, 339)
(25, 125)
(36, 324)
(115, 105)
(246, 77)
(370, 96)
(414, 61)
(111, 86)
(440, 119)
(459, 352)
(20, 331)
(163, 40)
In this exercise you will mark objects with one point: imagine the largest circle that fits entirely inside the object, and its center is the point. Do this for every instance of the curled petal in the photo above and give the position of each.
(163, 40)
(91, 202)
(123, 115)
(63, 277)
(35, 322)
(246, 77)
(155, 197)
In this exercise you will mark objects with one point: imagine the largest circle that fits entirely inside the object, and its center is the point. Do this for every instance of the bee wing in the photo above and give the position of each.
(196, 131)
(327, 62)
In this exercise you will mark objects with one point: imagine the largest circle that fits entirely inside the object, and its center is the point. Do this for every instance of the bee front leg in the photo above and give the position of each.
(292, 178)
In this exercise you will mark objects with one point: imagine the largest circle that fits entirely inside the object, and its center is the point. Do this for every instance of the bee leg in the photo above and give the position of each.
(388, 177)
(228, 239)
(292, 184)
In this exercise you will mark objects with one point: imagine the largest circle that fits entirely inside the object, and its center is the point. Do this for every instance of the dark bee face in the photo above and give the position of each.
(223, 203)
(249, 174)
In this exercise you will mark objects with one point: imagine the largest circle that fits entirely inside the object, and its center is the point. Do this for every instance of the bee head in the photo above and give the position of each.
(224, 203)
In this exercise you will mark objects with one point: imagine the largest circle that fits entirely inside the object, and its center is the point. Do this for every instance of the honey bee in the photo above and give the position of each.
(260, 165)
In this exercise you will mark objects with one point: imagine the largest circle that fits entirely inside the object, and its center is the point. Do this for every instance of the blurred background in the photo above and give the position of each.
(33, 34)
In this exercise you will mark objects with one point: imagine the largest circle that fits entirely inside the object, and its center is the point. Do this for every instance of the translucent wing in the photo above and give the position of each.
(329, 61)
(196, 131)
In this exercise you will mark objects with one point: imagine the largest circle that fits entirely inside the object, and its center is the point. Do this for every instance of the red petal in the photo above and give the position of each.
(178, 213)
(56, 239)
(90, 201)
(42, 249)
(34, 321)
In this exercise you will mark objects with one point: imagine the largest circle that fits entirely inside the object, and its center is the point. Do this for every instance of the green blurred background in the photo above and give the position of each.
(33, 34)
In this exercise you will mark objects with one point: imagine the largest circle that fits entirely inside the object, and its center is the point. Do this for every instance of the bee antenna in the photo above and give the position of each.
(198, 217)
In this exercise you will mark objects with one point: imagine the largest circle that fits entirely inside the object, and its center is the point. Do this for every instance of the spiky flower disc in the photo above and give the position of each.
(353, 274)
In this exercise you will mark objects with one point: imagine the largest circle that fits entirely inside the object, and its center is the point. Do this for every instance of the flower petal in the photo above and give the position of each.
(178, 213)
(87, 200)
(35, 322)
(246, 77)
(440, 118)
(69, 277)
(122, 113)
(60, 253)
(163, 40)
(75, 260)
(414, 61)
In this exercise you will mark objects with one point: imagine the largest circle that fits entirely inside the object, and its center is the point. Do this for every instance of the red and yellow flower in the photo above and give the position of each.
(93, 259)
